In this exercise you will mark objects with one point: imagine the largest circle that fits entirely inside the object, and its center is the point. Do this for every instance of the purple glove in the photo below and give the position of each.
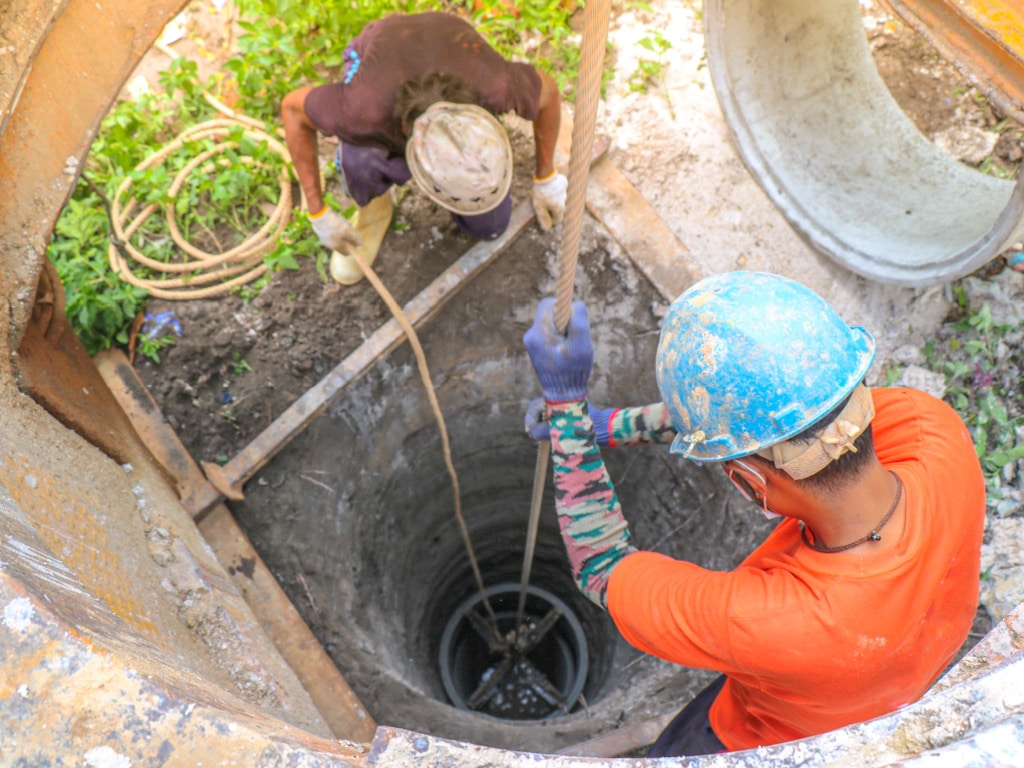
(562, 363)
(537, 426)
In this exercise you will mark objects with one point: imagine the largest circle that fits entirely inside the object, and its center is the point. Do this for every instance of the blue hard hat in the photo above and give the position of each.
(749, 359)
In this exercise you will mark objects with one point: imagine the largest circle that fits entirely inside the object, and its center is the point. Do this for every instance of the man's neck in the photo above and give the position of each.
(851, 514)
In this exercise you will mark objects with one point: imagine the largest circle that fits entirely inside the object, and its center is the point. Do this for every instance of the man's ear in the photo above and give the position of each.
(763, 465)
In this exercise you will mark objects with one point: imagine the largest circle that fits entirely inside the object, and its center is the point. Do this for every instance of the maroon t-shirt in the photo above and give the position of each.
(409, 47)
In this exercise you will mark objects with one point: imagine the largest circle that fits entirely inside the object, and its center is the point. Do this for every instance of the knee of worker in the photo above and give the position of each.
(486, 226)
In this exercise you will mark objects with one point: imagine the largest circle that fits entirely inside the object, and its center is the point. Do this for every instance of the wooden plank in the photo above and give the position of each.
(643, 235)
(339, 706)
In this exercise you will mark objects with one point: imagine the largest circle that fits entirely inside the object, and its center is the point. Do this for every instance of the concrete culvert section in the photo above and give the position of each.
(818, 130)
(373, 557)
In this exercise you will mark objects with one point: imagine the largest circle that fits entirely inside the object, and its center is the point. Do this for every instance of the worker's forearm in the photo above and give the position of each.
(644, 425)
(301, 138)
(593, 528)
(546, 127)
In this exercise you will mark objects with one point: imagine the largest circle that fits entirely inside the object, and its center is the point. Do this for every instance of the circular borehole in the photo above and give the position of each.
(518, 671)
(357, 517)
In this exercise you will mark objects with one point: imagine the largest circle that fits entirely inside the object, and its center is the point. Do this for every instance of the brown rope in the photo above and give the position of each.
(199, 274)
(588, 93)
(421, 362)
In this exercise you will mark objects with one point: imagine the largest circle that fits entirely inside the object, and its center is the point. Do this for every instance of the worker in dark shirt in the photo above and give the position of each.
(418, 96)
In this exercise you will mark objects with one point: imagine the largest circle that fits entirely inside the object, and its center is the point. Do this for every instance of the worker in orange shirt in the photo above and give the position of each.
(862, 594)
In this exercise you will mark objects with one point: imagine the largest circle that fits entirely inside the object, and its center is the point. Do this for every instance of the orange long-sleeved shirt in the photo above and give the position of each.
(812, 641)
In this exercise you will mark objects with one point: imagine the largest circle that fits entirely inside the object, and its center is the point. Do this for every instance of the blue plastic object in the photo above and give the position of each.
(749, 359)
(156, 325)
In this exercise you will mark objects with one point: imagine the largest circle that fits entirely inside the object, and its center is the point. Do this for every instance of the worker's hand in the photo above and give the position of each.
(334, 230)
(562, 363)
(537, 426)
(549, 199)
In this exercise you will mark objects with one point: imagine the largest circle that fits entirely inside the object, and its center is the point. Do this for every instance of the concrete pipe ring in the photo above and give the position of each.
(819, 131)
(470, 665)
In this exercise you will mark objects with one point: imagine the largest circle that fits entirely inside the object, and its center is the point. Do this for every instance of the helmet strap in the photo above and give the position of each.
(802, 459)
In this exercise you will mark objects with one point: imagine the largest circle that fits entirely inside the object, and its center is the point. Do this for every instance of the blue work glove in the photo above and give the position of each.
(562, 363)
(537, 426)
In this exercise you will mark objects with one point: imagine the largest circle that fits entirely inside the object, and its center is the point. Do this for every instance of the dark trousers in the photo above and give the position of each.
(690, 732)
(369, 172)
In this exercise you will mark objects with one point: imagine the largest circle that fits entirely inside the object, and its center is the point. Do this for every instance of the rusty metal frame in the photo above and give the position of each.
(984, 40)
(51, 106)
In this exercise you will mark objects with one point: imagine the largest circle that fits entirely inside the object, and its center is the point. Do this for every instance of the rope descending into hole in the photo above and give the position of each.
(421, 362)
(198, 274)
(588, 93)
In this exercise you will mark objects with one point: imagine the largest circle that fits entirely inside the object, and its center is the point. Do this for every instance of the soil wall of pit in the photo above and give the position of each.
(356, 517)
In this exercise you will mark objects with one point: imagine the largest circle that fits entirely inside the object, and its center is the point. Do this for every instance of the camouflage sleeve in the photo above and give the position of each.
(593, 528)
(642, 425)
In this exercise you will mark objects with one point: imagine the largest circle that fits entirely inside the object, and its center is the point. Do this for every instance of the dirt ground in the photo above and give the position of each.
(237, 366)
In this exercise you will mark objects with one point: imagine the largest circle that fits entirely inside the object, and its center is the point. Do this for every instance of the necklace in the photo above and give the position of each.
(874, 535)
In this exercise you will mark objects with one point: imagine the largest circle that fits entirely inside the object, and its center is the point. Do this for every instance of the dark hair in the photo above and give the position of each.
(839, 473)
(414, 96)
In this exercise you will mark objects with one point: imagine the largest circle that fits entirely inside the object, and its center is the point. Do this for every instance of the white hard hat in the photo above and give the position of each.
(460, 156)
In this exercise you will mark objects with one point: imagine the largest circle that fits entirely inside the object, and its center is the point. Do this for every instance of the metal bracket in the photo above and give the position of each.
(215, 474)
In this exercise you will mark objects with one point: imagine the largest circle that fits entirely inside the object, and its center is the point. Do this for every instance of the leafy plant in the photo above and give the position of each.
(974, 360)
(150, 347)
(537, 30)
(239, 364)
(100, 306)
(649, 69)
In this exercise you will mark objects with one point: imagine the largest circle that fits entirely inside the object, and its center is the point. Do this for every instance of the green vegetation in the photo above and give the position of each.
(100, 306)
(983, 364)
(284, 44)
(1001, 167)
(287, 43)
(649, 69)
(239, 364)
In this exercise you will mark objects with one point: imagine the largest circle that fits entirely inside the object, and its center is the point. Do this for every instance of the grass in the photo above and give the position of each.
(983, 365)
